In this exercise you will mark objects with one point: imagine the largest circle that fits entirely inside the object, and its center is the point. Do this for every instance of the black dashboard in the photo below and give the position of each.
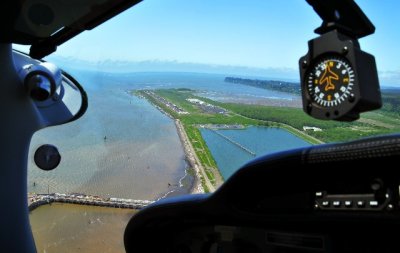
(327, 198)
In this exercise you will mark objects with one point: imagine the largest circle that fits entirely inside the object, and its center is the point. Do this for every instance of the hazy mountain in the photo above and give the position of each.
(171, 66)
(387, 78)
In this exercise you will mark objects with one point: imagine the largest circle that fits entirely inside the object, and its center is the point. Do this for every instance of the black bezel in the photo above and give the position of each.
(329, 112)
(331, 44)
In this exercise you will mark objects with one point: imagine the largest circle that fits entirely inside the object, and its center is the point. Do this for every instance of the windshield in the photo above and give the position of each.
(181, 95)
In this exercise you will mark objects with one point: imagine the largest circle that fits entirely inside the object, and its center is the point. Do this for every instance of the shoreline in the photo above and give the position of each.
(193, 160)
(190, 154)
(304, 136)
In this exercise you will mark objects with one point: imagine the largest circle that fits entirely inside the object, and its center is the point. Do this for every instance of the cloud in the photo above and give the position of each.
(389, 78)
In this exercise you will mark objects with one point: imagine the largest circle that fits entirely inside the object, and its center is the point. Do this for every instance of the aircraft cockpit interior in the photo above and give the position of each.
(326, 196)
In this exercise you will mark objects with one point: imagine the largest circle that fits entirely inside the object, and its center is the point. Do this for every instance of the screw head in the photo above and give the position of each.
(352, 98)
(345, 50)
(304, 64)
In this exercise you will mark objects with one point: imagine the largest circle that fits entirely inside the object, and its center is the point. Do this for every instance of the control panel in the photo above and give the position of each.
(377, 198)
(367, 202)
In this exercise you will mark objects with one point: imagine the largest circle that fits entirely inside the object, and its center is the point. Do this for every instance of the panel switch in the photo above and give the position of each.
(360, 203)
(348, 203)
(373, 203)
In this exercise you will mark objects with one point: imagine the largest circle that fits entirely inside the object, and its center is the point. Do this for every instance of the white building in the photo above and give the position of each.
(315, 129)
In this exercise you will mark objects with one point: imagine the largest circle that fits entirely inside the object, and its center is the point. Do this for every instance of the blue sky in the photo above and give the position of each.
(252, 33)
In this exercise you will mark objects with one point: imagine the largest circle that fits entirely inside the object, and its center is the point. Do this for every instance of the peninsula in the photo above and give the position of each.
(192, 112)
(289, 87)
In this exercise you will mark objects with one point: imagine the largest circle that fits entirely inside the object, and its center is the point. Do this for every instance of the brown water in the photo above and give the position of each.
(122, 147)
(75, 228)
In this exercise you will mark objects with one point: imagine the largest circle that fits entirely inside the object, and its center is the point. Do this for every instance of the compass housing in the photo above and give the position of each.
(338, 79)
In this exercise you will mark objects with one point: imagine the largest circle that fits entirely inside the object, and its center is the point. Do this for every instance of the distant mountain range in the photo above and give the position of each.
(387, 78)
(171, 66)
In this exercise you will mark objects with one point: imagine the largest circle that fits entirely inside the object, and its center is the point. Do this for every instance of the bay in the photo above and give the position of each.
(258, 140)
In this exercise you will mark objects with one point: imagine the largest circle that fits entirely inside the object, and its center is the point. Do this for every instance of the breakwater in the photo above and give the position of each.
(193, 160)
(36, 200)
(234, 142)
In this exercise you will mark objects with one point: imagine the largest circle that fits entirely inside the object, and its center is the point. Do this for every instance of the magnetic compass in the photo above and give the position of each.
(338, 80)
(330, 81)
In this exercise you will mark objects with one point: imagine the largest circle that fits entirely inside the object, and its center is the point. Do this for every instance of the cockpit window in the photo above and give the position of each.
(181, 95)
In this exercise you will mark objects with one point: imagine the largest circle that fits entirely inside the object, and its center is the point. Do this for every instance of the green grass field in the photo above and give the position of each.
(332, 131)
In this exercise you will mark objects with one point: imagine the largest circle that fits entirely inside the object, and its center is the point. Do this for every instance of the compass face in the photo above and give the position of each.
(330, 81)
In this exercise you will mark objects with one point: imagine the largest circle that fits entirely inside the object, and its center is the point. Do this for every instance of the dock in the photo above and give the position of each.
(233, 142)
(36, 200)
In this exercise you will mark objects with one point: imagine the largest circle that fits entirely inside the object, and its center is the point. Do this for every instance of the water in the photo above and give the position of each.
(260, 140)
(214, 87)
(142, 157)
(74, 228)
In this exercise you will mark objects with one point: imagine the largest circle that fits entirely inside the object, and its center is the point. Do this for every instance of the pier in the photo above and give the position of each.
(36, 200)
(234, 142)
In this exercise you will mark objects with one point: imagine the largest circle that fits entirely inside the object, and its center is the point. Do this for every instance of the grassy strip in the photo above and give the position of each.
(201, 149)
(203, 183)
(300, 134)
(332, 131)
(203, 153)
